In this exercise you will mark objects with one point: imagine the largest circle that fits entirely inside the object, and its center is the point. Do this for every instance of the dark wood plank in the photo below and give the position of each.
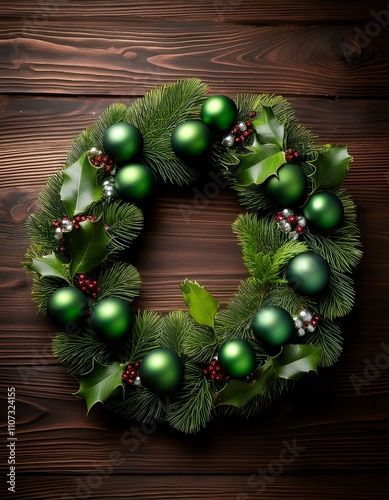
(236, 11)
(77, 58)
(102, 485)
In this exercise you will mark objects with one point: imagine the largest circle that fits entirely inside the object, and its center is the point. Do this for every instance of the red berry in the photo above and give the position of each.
(131, 381)
(252, 114)
(279, 218)
(82, 276)
(94, 295)
(313, 322)
(62, 249)
(76, 226)
(246, 133)
(205, 372)
(299, 229)
(137, 364)
(55, 223)
(81, 282)
(84, 289)
(237, 139)
(218, 377)
(249, 124)
(235, 130)
(292, 219)
(296, 154)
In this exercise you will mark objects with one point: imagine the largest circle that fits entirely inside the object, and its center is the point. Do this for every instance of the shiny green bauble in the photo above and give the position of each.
(134, 182)
(67, 305)
(161, 370)
(273, 326)
(323, 211)
(288, 188)
(236, 358)
(308, 273)
(111, 319)
(191, 140)
(219, 112)
(122, 142)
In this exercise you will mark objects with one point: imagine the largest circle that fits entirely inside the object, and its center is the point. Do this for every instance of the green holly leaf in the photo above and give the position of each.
(291, 363)
(331, 167)
(100, 383)
(49, 265)
(269, 130)
(79, 188)
(261, 163)
(87, 246)
(203, 307)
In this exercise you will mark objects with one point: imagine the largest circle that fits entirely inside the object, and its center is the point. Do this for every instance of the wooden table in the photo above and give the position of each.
(62, 62)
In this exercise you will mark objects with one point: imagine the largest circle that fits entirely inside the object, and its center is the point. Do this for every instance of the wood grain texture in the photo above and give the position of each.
(233, 11)
(129, 58)
(62, 62)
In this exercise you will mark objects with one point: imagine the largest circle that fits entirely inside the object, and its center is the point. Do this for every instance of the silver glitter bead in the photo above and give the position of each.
(293, 235)
(228, 141)
(242, 126)
(95, 151)
(137, 382)
(107, 182)
(285, 226)
(301, 221)
(58, 233)
(66, 226)
(298, 323)
(108, 191)
(305, 315)
(287, 212)
(310, 328)
(301, 332)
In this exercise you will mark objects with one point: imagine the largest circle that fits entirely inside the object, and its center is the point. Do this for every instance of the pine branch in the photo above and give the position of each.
(338, 300)
(119, 280)
(125, 222)
(145, 335)
(328, 336)
(141, 405)
(83, 142)
(191, 409)
(42, 288)
(199, 344)
(174, 328)
(283, 295)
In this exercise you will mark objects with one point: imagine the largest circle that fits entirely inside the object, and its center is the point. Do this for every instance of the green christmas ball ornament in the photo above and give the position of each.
(289, 187)
(191, 140)
(323, 211)
(219, 112)
(122, 142)
(161, 370)
(111, 319)
(67, 305)
(273, 326)
(308, 273)
(236, 358)
(134, 182)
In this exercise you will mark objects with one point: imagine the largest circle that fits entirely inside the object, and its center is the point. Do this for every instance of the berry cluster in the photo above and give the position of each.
(291, 155)
(131, 374)
(290, 223)
(214, 372)
(98, 159)
(305, 322)
(239, 133)
(88, 286)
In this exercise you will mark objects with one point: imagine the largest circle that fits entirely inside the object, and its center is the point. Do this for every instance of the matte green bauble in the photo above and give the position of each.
(122, 142)
(273, 326)
(308, 273)
(161, 370)
(134, 182)
(67, 305)
(219, 112)
(191, 139)
(323, 211)
(289, 187)
(236, 358)
(111, 319)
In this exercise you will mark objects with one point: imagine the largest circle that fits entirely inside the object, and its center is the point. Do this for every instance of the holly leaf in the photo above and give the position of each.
(269, 130)
(261, 163)
(100, 383)
(49, 265)
(87, 246)
(291, 363)
(79, 187)
(295, 360)
(203, 307)
(331, 167)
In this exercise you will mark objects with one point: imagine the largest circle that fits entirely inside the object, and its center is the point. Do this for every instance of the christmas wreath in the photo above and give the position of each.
(299, 240)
